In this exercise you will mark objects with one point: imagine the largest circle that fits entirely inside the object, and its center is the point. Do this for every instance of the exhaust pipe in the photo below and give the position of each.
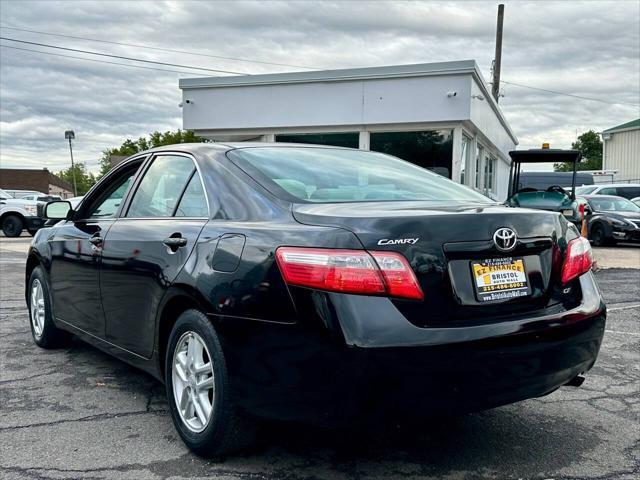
(575, 381)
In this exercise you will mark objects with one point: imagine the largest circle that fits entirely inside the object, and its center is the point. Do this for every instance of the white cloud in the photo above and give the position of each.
(585, 48)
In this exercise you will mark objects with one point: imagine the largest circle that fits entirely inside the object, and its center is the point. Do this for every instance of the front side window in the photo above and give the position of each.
(608, 191)
(161, 187)
(327, 175)
(105, 202)
(108, 207)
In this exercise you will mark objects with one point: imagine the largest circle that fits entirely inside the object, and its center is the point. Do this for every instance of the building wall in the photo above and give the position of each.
(622, 153)
(371, 102)
(38, 180)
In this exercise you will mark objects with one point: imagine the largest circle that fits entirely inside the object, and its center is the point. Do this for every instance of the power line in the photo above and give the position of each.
(235, 59)
(88, 52)
(569, 94)
(581, 97)
(101, 61)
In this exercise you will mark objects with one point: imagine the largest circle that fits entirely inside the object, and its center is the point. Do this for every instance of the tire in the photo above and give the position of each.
(12, 226)
(45, 334)
(224, 431)
(598, 236)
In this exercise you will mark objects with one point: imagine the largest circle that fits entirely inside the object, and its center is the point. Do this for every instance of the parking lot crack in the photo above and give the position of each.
(90, 418)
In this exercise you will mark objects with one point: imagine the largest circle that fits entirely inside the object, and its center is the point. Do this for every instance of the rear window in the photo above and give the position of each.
(584, 190)
(331, 175)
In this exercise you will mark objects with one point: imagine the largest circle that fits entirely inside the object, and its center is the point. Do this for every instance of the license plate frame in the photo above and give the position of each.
(500, 279)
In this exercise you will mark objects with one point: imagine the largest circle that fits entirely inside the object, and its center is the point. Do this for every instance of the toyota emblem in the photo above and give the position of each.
(505, 239)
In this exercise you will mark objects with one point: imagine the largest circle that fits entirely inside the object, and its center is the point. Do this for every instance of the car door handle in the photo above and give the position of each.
(95, 240)
(175, 242)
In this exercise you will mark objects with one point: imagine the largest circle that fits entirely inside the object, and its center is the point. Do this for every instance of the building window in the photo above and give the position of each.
(489, 175)
(349, 139)
(465, 157)
(479, 166)
(429, 149)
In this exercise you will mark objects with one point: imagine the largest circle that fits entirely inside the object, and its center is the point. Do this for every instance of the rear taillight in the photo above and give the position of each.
(349, 271)
(578, 259)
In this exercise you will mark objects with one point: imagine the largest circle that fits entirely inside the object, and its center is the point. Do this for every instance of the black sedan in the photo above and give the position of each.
(314, 284)
(611, 219)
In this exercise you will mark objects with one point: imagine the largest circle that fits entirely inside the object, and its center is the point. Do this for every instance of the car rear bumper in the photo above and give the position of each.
(480, 374)
(297, 373)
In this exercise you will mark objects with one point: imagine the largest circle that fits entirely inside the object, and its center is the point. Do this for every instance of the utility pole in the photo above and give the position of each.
(495, 86)
(70, 135)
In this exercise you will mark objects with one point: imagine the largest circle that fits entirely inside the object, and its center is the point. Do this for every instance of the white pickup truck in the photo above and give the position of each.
(16, 214)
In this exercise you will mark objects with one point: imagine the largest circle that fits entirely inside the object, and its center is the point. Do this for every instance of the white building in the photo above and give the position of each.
(438, 115)
(621, 151)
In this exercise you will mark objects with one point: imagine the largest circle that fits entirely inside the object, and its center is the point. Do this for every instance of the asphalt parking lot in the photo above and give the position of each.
(78, 413)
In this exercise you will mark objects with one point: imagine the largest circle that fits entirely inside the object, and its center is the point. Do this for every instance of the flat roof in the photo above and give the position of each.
(458, 67)
(365, 73)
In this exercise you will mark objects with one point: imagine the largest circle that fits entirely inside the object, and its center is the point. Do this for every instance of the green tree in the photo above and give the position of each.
(155, 139)
(590, 145)
(84, 179)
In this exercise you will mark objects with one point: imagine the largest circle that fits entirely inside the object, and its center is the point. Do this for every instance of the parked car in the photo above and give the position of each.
(317, 284)
(16, 214)
(611, 219)
(20, 193)
(40, 197)
(626, 190)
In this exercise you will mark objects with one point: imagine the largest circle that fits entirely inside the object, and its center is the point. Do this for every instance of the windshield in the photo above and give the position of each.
(584, 190)
(331, 175)
(613, 205)
(4, 194)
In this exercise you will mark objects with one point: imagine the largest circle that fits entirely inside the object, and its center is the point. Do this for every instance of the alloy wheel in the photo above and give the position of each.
(38, 308)
(193, 381)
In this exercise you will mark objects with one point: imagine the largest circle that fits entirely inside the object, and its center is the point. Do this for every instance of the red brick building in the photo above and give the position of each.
(39, 180)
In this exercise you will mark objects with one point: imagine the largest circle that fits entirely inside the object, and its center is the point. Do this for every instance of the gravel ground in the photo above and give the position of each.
(78, 413)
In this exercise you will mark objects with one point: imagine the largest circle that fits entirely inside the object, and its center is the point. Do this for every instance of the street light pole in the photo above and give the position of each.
(70, 135)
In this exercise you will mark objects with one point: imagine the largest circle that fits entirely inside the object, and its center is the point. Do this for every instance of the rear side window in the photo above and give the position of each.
(629, 192)
(161, 187)
(193, 202)
(331, 175)
(608, 191)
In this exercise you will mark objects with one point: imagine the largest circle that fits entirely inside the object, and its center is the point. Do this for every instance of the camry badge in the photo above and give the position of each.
(398, 241)
(505, 239)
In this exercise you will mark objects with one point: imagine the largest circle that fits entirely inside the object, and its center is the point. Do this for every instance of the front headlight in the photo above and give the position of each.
(32, 210)
(617, 223)
(567, 212)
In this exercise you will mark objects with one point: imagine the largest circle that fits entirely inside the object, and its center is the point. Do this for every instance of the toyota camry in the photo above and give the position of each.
(313, 284)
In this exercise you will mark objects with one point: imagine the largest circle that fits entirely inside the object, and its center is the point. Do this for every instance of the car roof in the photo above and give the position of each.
(602, 197)
(604, 185)
(192, 147)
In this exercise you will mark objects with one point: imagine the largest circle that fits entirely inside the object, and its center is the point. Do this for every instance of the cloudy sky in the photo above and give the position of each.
(589, 49)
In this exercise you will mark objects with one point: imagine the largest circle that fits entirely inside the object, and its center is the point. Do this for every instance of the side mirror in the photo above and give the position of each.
(58, 210)
(587, 210)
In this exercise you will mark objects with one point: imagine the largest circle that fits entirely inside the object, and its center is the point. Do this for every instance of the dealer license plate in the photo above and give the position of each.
(500, 279)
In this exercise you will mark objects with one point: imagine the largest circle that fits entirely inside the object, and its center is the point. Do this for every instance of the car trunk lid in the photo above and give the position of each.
(442, 242)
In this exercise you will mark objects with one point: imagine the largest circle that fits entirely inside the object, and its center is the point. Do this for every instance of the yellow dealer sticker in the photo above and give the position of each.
(500, 279)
